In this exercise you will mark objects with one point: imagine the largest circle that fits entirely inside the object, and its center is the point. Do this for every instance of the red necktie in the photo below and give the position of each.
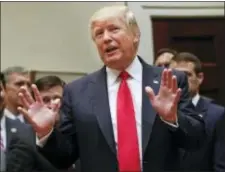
(128, 150)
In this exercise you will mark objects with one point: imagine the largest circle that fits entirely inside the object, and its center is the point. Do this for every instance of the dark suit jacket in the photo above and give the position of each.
(21, 153)
(207, 158)
(14, 128)
(86, 131)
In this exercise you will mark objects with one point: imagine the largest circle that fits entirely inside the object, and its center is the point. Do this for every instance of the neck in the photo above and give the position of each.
(193, 94)
(11, 109)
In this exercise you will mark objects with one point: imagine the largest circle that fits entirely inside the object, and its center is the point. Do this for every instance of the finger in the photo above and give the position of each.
(27, 95)
(174, 84)
(26, 115)
(56, 105)
(169, 79)
(150, 93)
(37, 95)
(164, 76)
(178, 94)
(24, 101)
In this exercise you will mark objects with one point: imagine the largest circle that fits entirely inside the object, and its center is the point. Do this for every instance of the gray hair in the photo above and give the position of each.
(14, 69)
(119, 10)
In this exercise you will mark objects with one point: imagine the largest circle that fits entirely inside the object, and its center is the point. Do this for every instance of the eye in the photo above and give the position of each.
(114, 29)
(98, 33)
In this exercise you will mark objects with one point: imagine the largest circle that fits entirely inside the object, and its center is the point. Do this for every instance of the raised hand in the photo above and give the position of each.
(165, 103)
(36, 112)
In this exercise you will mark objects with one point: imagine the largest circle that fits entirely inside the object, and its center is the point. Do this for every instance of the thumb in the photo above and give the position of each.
(150, 93)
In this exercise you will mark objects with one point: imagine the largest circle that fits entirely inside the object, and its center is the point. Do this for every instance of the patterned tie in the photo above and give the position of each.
(128, 150)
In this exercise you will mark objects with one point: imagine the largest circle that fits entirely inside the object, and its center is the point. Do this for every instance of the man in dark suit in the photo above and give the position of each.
(18, 148)
(113, 120)
(209, 157)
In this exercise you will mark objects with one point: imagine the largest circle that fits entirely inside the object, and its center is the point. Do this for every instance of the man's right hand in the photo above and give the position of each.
(37, 113)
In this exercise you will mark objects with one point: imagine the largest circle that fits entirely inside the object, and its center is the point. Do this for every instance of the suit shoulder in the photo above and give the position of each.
(217, 108)
(81, 82)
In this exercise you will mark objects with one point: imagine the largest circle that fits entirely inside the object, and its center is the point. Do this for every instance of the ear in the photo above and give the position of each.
(136, 38)
(200, 77)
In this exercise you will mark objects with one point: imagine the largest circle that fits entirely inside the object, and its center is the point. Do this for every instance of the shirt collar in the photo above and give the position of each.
(10, 115)
(134, 70)
(195, 99)
(2, 126)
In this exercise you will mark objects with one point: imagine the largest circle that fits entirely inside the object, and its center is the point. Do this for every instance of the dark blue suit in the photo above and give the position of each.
(87, 133)
(211, 157)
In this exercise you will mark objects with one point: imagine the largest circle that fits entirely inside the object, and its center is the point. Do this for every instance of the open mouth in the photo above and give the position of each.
(110, 50)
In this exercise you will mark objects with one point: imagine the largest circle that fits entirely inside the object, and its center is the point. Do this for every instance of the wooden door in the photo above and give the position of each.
(205, 37)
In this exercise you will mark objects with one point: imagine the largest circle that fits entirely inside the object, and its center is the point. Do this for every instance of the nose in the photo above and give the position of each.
(106, 37)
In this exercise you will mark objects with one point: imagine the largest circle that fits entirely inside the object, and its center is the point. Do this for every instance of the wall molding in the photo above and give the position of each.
(64, 75)
(144, 11)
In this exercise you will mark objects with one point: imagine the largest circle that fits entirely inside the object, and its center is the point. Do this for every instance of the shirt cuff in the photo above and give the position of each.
(41, 142)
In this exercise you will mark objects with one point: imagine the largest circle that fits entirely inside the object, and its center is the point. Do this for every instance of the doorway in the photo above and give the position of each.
(205, 37)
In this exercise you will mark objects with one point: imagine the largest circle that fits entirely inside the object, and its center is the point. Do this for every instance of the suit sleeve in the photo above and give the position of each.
(219, 146)
(191, 131)
(61, 148)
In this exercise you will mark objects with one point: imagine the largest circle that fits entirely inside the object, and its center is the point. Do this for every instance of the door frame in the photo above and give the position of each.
(144, 11)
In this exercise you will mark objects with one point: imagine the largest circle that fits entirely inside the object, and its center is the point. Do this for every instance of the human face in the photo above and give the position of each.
(14, 82)
(115, 41)
(164, 60)
(194, 80)
(50, 96)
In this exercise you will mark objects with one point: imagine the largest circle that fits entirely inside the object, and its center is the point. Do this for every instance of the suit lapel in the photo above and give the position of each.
(11, 131)
(150, 78)
(202, 106)
(101, 107)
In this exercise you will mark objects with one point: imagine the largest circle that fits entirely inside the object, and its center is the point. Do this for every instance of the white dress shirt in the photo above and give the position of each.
(195, 99)
(3, 131)
(12, 116)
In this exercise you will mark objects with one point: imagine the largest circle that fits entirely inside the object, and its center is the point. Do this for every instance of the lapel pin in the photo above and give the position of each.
(200, 115)
(13, 130)
(155, 81)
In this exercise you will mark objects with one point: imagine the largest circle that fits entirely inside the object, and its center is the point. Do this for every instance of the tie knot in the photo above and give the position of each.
(124, 75)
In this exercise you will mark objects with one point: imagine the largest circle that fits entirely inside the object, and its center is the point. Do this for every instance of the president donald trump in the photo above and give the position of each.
(127, 116)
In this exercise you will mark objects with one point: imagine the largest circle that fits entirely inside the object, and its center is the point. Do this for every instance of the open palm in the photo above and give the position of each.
(165, 103)
(36, 112)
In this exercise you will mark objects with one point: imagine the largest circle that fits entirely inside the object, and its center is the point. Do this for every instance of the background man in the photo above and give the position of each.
(15, 77)
(209, 157)
(164, 56)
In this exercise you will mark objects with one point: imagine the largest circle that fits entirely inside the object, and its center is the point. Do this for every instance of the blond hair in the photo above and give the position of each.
(120, 11)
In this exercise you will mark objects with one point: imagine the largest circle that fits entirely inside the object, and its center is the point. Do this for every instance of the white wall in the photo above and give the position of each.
(53, 37)
(49, 36)
(145, 10)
